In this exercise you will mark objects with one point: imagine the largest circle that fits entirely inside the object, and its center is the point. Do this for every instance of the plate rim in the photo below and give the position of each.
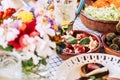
(94, 54)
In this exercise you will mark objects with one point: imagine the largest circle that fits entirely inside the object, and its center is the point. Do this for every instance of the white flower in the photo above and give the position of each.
(28, 52)
(11, 34)
(49, 42)
(44, 28)
(43, 48)
(38, 45)
(7, 21)
(7, 34)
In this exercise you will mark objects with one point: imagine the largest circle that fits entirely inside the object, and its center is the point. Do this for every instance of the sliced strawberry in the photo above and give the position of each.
(92, 66)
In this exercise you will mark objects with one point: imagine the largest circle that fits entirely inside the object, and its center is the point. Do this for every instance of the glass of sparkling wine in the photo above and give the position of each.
(64, 10)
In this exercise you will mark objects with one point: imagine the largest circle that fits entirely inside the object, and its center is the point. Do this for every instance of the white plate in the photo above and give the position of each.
(70, 69)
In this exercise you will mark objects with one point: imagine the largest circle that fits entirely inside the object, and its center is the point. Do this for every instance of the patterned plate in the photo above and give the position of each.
(70, 69)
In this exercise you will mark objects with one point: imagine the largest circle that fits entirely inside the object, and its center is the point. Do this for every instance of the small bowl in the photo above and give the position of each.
(65, 56)
(96, 24)
(106, 48)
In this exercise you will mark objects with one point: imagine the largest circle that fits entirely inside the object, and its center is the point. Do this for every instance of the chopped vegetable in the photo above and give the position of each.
(106, 3)
(104, 13)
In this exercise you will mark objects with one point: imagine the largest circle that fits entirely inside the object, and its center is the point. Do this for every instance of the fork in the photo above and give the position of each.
(70, 25)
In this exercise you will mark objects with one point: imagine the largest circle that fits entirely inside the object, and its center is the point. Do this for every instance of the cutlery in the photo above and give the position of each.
(70, 25)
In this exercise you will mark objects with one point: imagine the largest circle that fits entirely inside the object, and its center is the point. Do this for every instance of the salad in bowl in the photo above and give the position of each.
(78, 42)
(101, 15)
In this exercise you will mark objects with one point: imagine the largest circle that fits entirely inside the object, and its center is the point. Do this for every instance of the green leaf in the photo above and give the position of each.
(44, 62)
(27, 65)
(72, 40)
(8, 48)
(85, 41)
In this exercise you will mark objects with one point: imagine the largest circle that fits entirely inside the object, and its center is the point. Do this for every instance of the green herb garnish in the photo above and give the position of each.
(71, 40)
(85, 40)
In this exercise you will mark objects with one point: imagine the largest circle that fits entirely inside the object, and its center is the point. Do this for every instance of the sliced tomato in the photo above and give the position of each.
(87, 49)
(67, 50)
(79, 49)
(80, 36)
(94, 38)
(69, 46)
(83, 35)
(92, 66)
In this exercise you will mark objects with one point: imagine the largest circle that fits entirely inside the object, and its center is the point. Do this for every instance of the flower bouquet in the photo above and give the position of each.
(27, 35)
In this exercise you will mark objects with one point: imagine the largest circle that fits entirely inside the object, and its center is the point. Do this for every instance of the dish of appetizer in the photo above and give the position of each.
(78, 42)
(93, 71)
(92, 66)
(111, 41)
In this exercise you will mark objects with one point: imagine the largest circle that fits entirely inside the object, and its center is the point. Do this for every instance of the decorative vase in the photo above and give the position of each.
(10, 66)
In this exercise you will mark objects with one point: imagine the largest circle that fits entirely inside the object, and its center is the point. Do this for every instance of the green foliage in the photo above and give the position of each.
(43, 61)
(27, 65)
(8, 48)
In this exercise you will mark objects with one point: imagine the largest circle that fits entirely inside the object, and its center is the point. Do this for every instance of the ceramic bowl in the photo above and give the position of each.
(65, 56)
(96, 24)
(106, 48)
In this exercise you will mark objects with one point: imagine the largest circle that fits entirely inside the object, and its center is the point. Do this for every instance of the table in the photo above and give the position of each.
(55, 61)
